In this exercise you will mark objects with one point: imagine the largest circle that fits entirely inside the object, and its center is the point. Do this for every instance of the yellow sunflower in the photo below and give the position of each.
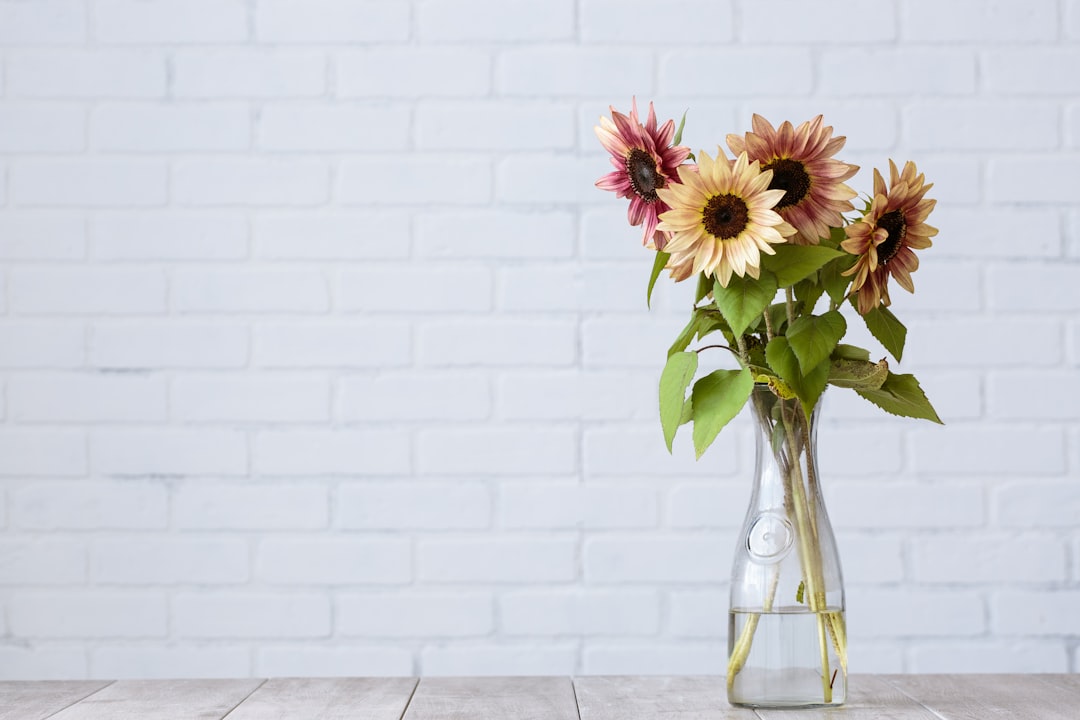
(721, 218)
(888, 234)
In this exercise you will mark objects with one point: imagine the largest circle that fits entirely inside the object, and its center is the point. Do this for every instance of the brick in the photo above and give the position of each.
(989, 450)
(496, 451)
(89, 74)
(89, 506)
(697, 614)
(338, 660)
(496, 21)
(249, 291)
(906, 505)
(495, 125)
(497, 343)
(910, 71)
(263, 506)
(414, 395)
(251, 182)
(167, 235)
(605, 235)
(86, 398)
(1011, 396)
(200, 561)
(337, 561)
(868, 125)
(88, 614)
(693, 72)
(546, 659)
(900, 612)
(407, 288)
(170, 21)
(36, 561)
(1007, 179)
(93, 290)
(356, 235)
(861, 453)
(709, 504)
(332, 452)
(36, 662)
(417, 72)
(1006, 286)
(42, 235)
(330, 21)
(43, 22)
(986, 558)
(252, 73)
(639, 21)
(655, 658)
(495, 234)
(574, 71)
(1030, 71)
(416, 180)
(979, 125)
(569, 288)
(823, 22)
(322, 128)
(250, 615)
(414, 615)
(621, 341)
(250, 398)
(657, 559)
(39, 453)
(172, 344)
(575, 394)
(993, 656)
(992, 234)
(42, 345)
(89, 183)
(1042, 612)
(1037, 504)
(639, 450)
(871, 558)
(976, 342)
(170, 127)
(165, 663)
(496, 560)
(413, 505)
(545, 179)
(926, 21)
(547, 504)
(1072, 21)
(169, 451)
(580, 613)
(42, 129)
(358, 344)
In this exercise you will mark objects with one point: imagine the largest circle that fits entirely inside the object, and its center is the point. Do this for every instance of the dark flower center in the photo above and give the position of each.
(892, 222)
(725, 216)
(643, 175)
(791, 177)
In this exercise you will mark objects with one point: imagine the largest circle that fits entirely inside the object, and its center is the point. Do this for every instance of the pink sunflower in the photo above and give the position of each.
(645, 161)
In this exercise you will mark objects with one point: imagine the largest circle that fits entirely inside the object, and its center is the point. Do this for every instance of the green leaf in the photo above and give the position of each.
(657, 267)
(676, 377)
(778, 317)
(808, 291)
(813, 337)
(704, 287)
(858, 374)
(718, 397)
(901, 395)
(834, 281)
(744, 299)
(850, 352)
(807, 386)
(687, 413)
(889, 331)
(792, 263)
(703, 321)
(687, 335)
(678, 132)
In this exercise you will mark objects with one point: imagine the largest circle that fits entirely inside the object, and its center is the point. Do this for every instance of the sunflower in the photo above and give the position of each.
(803, 167)
(721, 218)
(645, 161)
(893, 227)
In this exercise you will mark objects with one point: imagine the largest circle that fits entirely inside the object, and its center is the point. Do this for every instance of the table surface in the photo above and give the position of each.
(877, 697)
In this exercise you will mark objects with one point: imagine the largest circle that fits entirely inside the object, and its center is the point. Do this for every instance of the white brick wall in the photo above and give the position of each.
(320, 354)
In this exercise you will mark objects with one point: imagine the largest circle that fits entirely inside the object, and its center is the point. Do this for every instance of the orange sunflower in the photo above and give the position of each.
(721, 218)
(803, 167)
(886, 237)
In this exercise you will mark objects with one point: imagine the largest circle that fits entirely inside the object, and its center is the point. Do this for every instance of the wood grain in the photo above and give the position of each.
(503, 698)
(161, 700)
(868, 698)
(37, 699)
(652, 698)
(327, 699)
(990, 697)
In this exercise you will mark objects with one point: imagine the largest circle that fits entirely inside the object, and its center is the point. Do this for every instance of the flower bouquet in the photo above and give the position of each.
(779, 250)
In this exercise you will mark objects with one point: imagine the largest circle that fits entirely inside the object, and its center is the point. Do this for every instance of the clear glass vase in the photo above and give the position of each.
(787, 642)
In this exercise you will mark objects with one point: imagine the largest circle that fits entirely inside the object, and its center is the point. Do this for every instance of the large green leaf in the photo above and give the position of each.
(850, 352)
(703, 321)
(717, 398)
(833, 280)
(858, 374)
(676, 377)
(888, 330)
(901, 395)
(792, 263)
(744, 299)
(704, 287)
(814, 337)
(808, 291)
(657, 267)
(808, 386)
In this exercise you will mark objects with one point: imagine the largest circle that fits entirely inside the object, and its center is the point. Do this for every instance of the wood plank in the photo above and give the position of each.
(161, 700)
(493, 698)
(37, 699)
(327, 699)
(652, 698)
(989, 697)
(868, 698)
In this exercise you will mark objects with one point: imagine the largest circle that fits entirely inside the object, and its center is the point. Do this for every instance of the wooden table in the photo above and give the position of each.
(877, 697)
